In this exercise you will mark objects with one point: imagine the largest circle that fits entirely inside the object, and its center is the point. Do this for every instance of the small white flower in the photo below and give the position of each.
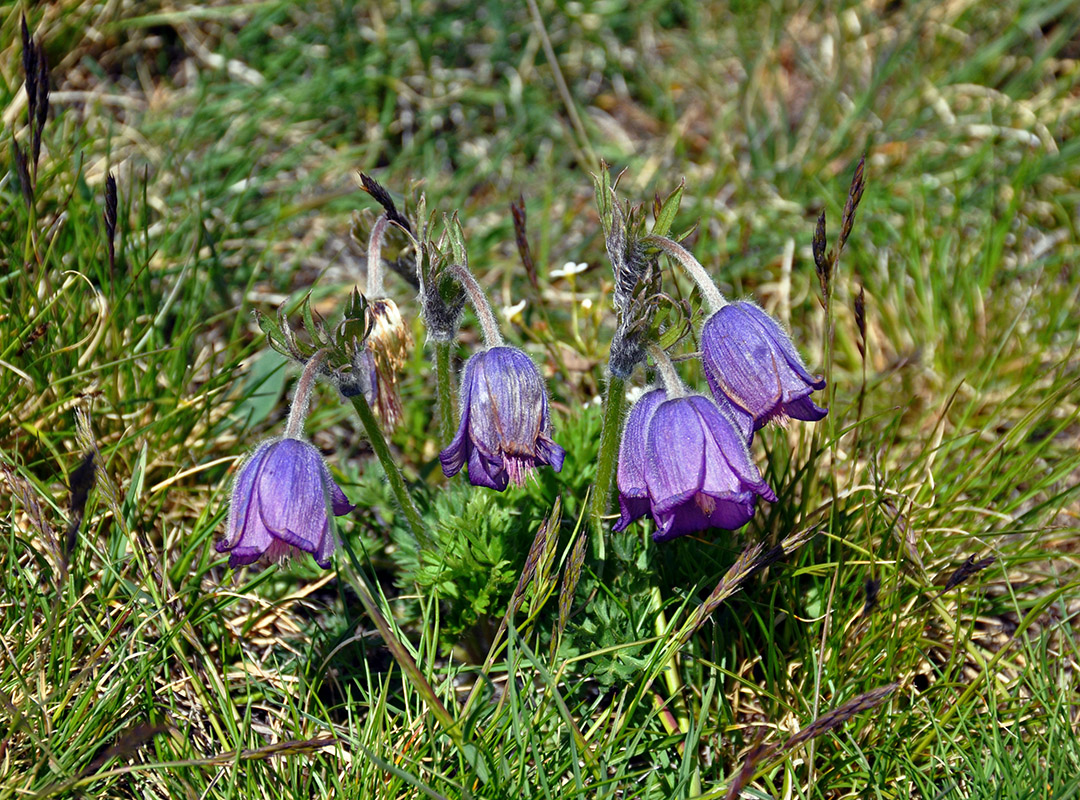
(512, 311)
(568, 269)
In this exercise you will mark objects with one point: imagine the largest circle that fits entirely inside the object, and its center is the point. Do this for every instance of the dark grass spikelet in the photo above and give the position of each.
(870, 596)
(831, 720)
(860, 320)
(966, 570)
(751, 561)
(405, 265)
(36, 72)
(823, 260)
(571, 577)
(81, 482)
(828, 721)
(758, 753)
(382, 197)
(109, 215)
(22, 169)
(521, 239)
(855, 193)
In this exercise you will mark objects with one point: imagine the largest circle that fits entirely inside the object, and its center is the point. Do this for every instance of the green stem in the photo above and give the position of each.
(606, 461)
(390, 467)
(444, 383)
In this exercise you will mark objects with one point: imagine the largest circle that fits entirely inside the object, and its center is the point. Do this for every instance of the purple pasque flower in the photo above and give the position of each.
(692, 461)
(505, 429)
(752, 365)
(281, 504)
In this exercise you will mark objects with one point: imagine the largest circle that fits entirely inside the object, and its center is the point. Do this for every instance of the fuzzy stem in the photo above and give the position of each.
(606, 461)
(294, 428)
(488, 324)
(693, 268)
(672, 385)
(445, 393)
(393, 472)
(374, 258)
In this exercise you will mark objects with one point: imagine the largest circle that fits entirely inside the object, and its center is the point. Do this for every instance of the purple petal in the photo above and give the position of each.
(631, 508)
(782, 340)
(690, 517)
(507, 407)
(243, 497)
(483, 471)
(804, 408)
(326, 547)
(455, 455)
(254, 540)
(728, 464)
(339, 503)
(292, 497)
(547, 452)
(674, 464)
(631, 470)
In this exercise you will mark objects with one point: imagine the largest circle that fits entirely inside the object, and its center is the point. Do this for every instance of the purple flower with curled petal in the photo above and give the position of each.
(751, 364)
(505, 429)
(281, 505)
(686, 462)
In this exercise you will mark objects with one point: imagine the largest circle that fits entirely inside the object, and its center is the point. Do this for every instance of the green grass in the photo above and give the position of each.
(139, 666)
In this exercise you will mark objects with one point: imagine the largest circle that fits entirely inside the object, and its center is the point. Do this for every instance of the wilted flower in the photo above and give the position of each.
(505, 429)
(692, 462)
(751, 363)
(389, 342)
(281, 504)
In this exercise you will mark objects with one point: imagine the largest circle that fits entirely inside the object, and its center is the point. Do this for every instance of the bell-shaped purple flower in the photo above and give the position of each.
(505, 429)
(751, 364)
(281, 504)
(692, 462)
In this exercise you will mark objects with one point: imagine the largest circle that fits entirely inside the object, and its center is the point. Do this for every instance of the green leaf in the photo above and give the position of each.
(666, 216)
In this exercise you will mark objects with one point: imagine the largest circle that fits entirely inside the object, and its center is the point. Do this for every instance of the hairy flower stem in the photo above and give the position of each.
(374, 258)
(445, 393)
(606, 461)
(393, 472)
(488, 324)
(294, 428)
(693, 268)
(672, 384)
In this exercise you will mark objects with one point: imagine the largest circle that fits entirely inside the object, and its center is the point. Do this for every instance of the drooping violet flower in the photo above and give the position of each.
(505, 429)
(698, 470)
(630, 477)
(685, 461)
(283, 497)
(281, 505)
(751, 363)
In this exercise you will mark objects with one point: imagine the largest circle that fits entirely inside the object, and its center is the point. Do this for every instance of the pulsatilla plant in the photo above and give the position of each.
(684, 457)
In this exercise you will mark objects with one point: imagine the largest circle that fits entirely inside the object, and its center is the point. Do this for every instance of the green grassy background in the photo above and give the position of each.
(141, 667)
